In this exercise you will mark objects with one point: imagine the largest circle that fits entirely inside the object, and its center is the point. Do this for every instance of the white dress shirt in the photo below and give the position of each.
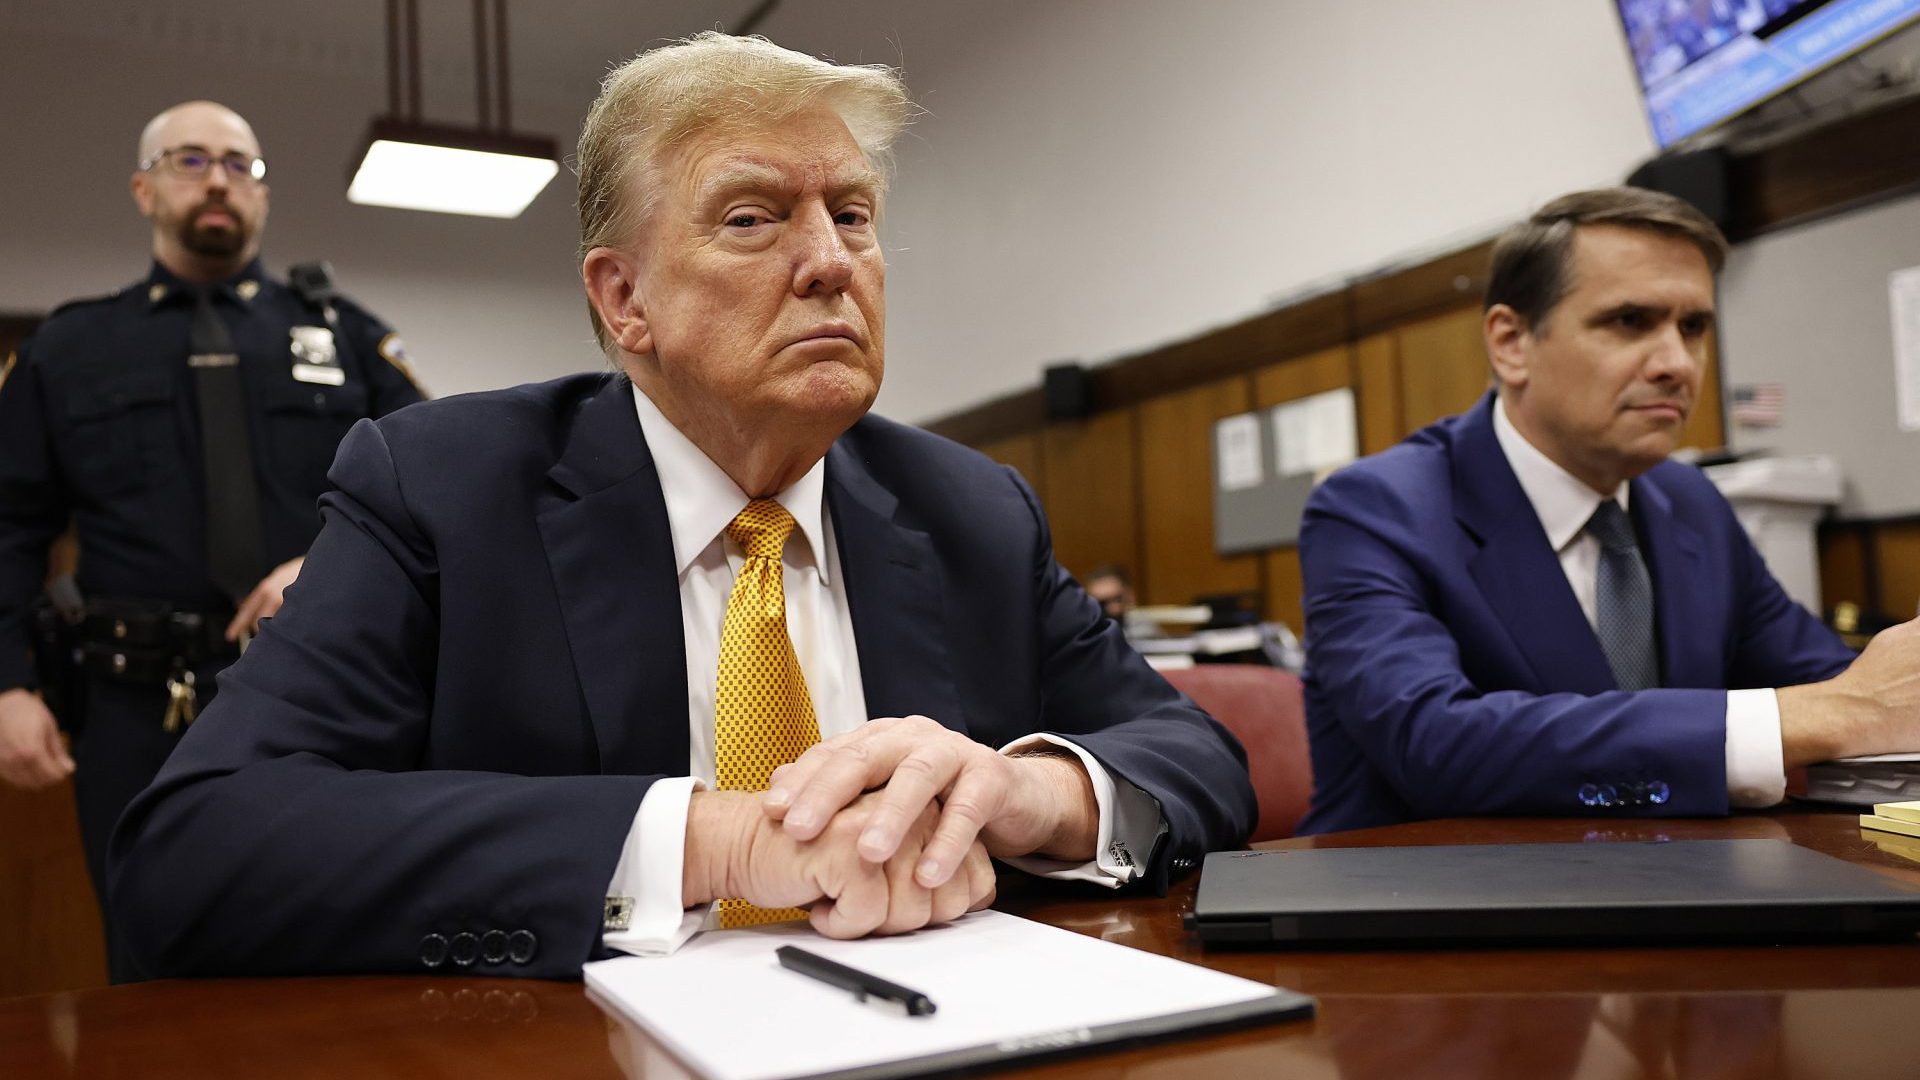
(1756, 771)
(701, 500)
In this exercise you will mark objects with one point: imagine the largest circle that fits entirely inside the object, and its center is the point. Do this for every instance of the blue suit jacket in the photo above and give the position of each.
(449, 727)
(1451, 671)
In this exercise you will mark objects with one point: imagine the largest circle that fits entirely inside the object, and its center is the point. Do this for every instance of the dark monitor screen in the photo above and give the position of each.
(1703, 61)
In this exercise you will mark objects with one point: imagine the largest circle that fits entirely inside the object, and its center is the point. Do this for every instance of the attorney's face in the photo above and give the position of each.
(1605, 383)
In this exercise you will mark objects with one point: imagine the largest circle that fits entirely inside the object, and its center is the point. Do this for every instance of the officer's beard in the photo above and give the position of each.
(216, 241)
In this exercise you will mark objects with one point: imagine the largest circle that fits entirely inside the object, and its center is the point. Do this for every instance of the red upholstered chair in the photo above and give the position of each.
(1263, 707)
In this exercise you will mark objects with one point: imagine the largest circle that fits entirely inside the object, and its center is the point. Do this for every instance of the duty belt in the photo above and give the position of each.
(152, 642)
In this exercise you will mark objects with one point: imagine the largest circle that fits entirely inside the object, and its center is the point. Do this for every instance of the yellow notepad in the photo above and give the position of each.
(1892, 825)
(1899, 811)
(1895, 844)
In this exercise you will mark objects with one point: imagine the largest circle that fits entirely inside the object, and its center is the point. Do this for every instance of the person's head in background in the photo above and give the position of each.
(1109, 584)
(729, 195)
(202, 183)
(1598, 315)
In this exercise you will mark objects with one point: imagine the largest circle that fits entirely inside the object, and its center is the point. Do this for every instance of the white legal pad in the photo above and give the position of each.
(1004, 988)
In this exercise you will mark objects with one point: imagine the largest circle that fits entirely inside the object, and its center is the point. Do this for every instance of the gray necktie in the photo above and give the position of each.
(1623, 601)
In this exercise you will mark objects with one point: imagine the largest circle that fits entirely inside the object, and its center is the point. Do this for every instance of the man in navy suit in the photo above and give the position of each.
(1527, 609)
(493, 729)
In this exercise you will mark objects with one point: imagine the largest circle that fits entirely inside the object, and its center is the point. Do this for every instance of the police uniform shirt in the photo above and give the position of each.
(99, 420)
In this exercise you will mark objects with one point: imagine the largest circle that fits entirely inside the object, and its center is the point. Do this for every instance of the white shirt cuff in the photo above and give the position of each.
(1756, 765)
(1129, 825)
(648, 876)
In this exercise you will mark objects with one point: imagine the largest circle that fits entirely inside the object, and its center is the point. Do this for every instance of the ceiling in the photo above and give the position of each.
(559, 49)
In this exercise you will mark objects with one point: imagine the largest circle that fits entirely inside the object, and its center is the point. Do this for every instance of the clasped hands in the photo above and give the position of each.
(887, 828)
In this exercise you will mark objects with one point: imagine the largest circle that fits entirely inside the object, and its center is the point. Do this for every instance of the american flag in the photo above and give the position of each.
(1758, 405)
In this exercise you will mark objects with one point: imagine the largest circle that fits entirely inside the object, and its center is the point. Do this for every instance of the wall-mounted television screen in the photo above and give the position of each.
(1702, 61)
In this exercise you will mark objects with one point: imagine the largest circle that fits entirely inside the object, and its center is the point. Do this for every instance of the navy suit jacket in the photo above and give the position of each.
(449, 727)
(1451, 672)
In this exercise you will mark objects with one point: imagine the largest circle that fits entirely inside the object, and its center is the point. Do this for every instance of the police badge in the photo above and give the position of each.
(315, 360)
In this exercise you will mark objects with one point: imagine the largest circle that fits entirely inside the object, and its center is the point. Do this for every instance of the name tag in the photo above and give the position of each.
(314, 373)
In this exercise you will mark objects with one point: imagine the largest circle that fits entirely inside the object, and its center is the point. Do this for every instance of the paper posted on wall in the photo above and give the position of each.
(1236, 453)
(1903, 295)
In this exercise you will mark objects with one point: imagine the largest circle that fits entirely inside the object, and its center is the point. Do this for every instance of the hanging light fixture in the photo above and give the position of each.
(487, 170)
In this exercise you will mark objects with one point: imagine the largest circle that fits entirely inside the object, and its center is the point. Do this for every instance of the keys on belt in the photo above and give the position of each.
(183, 701)
(183, 704)
(153, 643)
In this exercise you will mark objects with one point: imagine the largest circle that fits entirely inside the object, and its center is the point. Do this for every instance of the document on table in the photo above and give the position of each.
(1004, 987)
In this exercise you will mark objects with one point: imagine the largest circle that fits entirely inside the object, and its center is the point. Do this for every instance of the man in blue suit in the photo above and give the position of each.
(570, 661)
(1527, 609)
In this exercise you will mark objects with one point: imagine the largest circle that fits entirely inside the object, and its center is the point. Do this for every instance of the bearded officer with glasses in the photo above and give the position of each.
(184, 425)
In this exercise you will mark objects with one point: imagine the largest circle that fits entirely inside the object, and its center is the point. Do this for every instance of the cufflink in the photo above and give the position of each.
(619, 913)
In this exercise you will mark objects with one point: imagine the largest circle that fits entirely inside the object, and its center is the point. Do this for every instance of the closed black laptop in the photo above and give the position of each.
(1678, 891)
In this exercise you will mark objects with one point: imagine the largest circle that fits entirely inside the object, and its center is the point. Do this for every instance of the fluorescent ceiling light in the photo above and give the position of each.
(451, 170)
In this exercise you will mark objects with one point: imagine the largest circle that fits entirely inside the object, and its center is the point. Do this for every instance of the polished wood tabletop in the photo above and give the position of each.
(1842, 1011)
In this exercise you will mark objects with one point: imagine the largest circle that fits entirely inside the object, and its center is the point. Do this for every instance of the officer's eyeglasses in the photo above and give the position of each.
(194, 162)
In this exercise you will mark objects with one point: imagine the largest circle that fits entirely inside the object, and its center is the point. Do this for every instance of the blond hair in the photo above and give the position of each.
(654, 103)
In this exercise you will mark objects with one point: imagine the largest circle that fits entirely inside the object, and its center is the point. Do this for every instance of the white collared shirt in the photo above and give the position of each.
(701, 500)
(1756, 769)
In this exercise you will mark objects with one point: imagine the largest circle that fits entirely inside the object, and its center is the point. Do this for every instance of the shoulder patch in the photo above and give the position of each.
(394, 352)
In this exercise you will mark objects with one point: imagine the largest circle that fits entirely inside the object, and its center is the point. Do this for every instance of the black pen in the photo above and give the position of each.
(862, 985)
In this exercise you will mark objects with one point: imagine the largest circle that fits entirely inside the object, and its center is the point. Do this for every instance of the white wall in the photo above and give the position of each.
(1093, 177)
(1102, 177)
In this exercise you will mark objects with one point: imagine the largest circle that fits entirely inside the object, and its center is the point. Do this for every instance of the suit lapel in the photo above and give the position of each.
(1673, 552)
(894, 591)
(610, 547)
(1516, 570)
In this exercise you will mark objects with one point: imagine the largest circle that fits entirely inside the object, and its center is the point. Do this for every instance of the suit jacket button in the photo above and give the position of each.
(433, 950)
(464, 949)
(1607, 797)
(493, 947)
(1589, 794)
(521, 945)
(1657, 792)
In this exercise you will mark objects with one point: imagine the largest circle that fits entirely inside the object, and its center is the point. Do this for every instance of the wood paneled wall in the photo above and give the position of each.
(1092, 492)
(1898, 558)
(1873, 565)
(1176, 496)
(1133, 485)
(1290, 380)
(49, 924)
(1023, 453)
(1443, 367)
(1087, 475)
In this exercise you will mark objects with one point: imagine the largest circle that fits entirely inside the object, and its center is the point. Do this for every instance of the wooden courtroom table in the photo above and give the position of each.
(1848, 1011)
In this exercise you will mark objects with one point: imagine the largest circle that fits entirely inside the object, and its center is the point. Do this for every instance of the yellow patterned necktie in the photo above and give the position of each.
(762, 716)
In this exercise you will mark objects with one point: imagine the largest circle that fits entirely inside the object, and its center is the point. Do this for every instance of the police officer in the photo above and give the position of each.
(185, 425)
